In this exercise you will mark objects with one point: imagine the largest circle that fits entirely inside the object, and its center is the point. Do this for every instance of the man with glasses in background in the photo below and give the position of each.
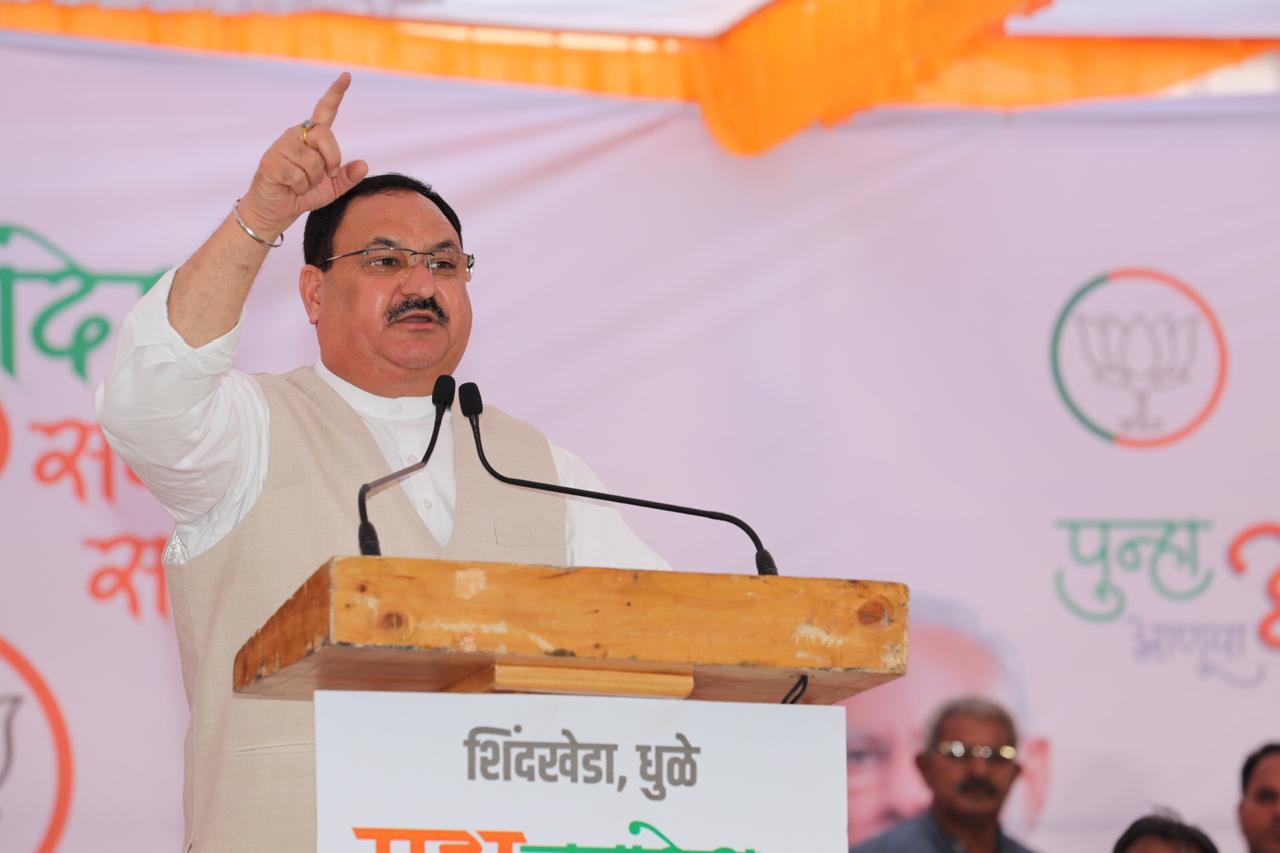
(260, 473)
(1259, 809)
(969, 763)
(951, 655)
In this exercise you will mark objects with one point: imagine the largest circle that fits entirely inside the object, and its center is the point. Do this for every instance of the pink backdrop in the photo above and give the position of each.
(848, 341)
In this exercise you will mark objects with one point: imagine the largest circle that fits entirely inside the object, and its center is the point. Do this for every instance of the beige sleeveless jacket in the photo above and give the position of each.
(250, 763)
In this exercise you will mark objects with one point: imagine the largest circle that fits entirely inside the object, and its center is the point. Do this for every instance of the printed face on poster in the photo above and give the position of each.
(551, 774)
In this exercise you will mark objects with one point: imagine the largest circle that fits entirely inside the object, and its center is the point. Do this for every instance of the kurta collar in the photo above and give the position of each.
(371, 405)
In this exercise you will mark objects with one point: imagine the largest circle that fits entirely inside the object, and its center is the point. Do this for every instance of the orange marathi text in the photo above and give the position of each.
(87, 444)
(142, 555)
(449, 840)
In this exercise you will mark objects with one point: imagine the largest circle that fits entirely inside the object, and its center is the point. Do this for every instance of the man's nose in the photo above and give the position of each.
(418, 279)
(979, 767)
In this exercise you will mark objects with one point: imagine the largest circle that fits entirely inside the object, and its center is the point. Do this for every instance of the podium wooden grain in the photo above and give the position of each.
(386, 623)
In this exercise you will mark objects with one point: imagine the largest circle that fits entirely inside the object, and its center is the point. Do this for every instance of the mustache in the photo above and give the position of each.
(974, 785)
(417, 303)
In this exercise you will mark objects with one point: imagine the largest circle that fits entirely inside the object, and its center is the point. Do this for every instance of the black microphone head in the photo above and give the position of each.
(442, 394)
(469, 399)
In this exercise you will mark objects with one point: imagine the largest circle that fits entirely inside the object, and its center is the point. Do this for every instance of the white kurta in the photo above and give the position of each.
(197, 433)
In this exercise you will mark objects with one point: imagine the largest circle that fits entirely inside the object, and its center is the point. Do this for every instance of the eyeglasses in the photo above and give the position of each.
(992, 754)
(393, 262)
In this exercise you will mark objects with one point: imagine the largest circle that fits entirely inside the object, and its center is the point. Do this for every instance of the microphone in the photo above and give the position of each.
(442, 399)
(472, 406)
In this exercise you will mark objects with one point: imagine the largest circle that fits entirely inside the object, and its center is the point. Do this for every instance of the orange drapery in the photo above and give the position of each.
(788, 65)
(1020, 72)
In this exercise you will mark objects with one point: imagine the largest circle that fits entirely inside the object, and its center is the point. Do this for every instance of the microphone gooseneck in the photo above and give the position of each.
(471, 405)
(442, 399)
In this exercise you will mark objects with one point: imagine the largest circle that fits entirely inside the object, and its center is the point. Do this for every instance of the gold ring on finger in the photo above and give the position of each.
(306, 125)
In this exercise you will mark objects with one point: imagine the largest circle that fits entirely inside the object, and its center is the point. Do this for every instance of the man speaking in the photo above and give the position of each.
(260, 473)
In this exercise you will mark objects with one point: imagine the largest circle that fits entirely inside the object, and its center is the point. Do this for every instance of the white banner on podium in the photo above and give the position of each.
(439, 773)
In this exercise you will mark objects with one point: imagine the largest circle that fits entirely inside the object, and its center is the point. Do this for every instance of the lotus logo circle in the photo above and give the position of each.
(1139, 358)
(35, 757)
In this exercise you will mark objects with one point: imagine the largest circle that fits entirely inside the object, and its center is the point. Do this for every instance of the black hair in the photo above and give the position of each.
(323, 222)
(1251, 763)
(1167, 828)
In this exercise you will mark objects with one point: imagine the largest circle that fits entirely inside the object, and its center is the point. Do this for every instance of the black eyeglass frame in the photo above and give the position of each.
(959, 750)
(471, 259)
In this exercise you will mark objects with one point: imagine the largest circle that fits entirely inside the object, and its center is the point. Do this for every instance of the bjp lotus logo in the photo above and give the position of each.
(8, 709)
(35, 757)
(1139, 358)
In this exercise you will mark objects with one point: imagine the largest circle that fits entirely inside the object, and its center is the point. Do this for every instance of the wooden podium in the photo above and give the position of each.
(387, 623)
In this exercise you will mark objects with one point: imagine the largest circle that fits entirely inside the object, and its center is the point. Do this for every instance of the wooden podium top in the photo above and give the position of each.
(386, 623)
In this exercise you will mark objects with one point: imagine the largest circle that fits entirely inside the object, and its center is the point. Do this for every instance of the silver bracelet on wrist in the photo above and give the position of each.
(235, 211)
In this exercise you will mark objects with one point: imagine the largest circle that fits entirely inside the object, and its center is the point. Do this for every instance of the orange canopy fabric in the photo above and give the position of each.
(778, 71)
(1022, 72)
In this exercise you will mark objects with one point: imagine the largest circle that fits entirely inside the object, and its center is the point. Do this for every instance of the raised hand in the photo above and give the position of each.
(302, 170)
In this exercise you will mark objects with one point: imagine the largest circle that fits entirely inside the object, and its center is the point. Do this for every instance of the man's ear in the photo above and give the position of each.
(310, 280)
(1034, 755)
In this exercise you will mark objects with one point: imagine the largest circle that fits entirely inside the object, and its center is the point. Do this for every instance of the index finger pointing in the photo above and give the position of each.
(327, 107)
